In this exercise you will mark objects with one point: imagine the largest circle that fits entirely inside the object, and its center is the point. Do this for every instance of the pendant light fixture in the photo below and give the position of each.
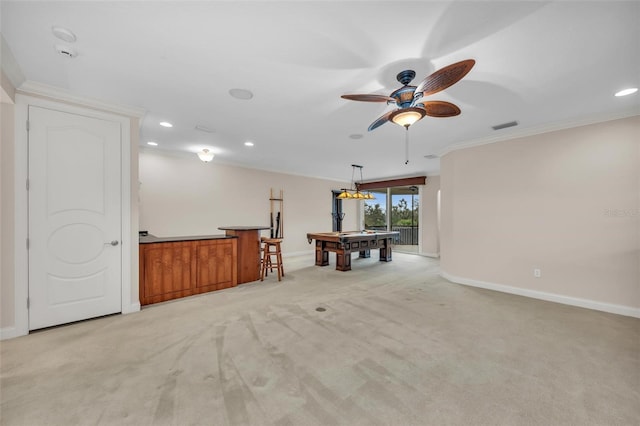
(353, 192)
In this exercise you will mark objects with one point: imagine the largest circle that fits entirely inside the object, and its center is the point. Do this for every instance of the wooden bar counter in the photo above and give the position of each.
(248, 250)
(175, 267)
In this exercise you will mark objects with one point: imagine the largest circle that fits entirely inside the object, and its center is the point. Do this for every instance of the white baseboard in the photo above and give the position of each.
(628, 311)
(134, 307)
(10, 333)
(433, 255)
(299, 253)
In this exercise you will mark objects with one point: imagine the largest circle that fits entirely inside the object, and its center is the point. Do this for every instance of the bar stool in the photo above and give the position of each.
(271, 247)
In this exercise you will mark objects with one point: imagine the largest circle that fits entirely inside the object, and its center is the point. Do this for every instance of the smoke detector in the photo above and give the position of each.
(67, 51)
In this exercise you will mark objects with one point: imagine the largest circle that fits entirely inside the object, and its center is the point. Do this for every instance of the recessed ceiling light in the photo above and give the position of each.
(241, 94)
(247, 143)
(356, 136)
(152, 143)
(626, 92)
(166, 124)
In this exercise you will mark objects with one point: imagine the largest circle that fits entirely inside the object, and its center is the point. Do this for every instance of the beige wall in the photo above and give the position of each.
(429, 217)
(181, 195)
(566, 202)
(7, 119)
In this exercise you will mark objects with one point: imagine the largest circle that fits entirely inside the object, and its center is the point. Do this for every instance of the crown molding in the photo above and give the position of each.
(33, 88)
(547, 128)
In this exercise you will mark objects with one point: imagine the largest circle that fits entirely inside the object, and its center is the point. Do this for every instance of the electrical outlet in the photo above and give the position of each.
(537, 272)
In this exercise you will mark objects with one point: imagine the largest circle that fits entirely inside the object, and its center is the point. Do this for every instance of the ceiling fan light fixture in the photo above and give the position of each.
(407, 116)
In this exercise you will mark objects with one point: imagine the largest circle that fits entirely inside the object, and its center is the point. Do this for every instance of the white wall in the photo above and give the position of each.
(567, 202)
(181, 196)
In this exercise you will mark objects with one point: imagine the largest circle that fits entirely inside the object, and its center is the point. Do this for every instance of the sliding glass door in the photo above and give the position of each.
(405, 214)
(396, 209)
(375, 211)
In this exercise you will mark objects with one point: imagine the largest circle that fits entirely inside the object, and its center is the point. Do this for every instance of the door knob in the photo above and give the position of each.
(112, 243)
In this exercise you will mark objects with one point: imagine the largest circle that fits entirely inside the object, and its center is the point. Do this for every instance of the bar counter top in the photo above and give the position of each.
(148, 239)
(243, 228)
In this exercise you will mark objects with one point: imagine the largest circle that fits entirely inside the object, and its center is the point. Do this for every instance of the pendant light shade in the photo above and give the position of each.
(353, 192)
(407, 116)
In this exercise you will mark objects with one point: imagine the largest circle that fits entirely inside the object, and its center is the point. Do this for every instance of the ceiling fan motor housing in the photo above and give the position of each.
(405, 77)
(404, 96)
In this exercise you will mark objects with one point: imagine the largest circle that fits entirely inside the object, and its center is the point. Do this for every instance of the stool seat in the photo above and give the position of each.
(270, 249)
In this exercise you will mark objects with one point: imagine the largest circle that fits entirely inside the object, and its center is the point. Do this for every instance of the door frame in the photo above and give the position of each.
(89, 109)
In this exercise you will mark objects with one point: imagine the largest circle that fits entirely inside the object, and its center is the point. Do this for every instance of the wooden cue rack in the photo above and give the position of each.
(277, 214)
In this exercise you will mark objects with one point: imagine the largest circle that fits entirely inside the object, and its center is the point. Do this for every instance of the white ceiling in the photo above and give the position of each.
(544, 64)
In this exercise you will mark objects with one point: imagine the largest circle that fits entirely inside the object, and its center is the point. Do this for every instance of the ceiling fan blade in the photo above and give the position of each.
(440, 108)
(445, 77)
(380, 121)
(369, 98)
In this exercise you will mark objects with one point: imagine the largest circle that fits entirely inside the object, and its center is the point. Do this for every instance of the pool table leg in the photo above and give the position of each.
(343, 260)
(365, 253)
(385, 252)
(322, 256)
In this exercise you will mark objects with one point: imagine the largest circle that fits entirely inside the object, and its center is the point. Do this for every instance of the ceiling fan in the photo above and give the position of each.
(410, 99)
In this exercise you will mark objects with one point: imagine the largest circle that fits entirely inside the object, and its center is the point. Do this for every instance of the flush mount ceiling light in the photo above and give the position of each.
(353, 192)
(626, 92)
(166, 124)
(206, 155)
(241, 94)
(64, 34)
(152, 143)
(356, 136)
(248, 143)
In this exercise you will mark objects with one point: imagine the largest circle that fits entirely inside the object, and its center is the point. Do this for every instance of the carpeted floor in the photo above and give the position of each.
(395, 345)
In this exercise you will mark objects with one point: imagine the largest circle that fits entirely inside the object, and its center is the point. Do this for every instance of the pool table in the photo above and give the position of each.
(345, 243)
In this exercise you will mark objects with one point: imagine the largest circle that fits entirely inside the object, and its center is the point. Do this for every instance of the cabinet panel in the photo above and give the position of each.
(216, 267)
(170, 270)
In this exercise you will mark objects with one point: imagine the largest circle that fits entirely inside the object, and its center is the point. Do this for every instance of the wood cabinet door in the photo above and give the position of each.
(169, 271)
(216, 265)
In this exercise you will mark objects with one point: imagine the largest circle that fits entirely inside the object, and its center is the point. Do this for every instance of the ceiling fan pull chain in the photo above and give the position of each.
(406, 146)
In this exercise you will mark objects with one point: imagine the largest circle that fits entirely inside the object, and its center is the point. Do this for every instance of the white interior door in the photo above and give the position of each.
(74, 217)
